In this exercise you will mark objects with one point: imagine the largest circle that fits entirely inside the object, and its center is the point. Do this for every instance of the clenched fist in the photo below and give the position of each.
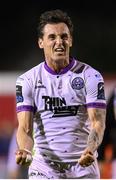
(23, 157)
(86, 159)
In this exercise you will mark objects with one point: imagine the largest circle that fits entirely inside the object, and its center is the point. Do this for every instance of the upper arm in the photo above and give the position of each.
(94, 86)
(24, 94)
(25, 120)
(25, 104)
(97, 117)
(95, 98)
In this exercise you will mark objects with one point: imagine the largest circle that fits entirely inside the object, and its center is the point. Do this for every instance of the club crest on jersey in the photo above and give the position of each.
(77, 83)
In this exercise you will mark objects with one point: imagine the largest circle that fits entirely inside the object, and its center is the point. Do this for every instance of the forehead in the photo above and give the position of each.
(58, 28)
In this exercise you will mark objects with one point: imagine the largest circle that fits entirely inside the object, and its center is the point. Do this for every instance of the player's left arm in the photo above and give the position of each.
(97, 118)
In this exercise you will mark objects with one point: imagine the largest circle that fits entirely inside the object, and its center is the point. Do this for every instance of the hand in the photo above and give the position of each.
(23, 157)
(86, 159)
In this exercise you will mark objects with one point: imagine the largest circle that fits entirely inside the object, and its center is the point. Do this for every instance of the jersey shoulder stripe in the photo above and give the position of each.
(79, 67)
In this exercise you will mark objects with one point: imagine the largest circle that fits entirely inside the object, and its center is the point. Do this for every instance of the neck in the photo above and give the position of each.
(57, 66)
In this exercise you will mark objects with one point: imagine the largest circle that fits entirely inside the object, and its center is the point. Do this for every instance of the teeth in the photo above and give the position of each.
(59, 50)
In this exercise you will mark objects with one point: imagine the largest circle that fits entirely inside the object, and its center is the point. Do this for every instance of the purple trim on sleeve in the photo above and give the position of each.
(96, 105)
(25, 108)
(64, 70)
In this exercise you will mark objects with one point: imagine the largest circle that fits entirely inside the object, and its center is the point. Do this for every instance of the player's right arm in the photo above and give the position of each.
(25, 110)
(24, 138)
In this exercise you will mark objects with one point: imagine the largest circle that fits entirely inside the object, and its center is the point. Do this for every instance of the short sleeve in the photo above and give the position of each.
(24, 95)
(94, 84)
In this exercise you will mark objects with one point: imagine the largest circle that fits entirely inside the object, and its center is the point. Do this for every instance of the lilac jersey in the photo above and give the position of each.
(59, 103)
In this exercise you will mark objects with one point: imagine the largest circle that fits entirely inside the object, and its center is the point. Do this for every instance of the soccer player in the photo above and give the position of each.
(61, 108)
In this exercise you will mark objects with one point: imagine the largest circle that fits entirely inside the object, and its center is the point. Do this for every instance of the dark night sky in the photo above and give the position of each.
(94, 33)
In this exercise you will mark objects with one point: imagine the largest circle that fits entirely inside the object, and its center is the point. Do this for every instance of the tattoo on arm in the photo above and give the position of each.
(96, 134)
(93, 140)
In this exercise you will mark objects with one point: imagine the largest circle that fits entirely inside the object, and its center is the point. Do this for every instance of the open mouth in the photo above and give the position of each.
(59, 50)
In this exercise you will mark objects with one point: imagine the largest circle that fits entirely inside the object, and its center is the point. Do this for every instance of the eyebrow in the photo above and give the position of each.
(63, 34)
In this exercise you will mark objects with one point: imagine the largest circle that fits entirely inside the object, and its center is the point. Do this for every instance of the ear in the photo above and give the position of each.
(40, 43)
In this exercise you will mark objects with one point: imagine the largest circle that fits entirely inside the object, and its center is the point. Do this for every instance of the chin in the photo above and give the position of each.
(60, 58)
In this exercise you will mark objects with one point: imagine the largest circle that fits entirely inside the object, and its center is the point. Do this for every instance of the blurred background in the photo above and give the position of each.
(94, 43)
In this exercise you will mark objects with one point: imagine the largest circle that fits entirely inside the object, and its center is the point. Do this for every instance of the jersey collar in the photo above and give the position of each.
(63, 71)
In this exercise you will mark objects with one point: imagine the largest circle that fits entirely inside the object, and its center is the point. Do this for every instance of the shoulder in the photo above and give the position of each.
(90, 71)
(86, 70)
(31, 73)
(81, 67)
(87, 67)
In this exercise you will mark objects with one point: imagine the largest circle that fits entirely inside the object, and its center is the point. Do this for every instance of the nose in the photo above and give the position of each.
(59, 40)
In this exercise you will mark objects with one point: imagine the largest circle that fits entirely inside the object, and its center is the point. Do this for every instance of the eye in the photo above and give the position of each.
(64, 36)
(51, 36)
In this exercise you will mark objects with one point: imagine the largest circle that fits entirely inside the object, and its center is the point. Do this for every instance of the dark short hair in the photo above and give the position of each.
(51, 17)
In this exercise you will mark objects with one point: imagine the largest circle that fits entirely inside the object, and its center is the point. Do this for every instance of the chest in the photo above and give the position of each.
(64, 89)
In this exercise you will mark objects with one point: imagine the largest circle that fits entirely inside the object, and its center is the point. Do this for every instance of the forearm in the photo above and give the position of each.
(94, 139)
(24, 139)
(97, 131)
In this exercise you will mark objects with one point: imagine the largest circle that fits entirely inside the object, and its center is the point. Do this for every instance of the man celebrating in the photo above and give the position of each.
(61, 108)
